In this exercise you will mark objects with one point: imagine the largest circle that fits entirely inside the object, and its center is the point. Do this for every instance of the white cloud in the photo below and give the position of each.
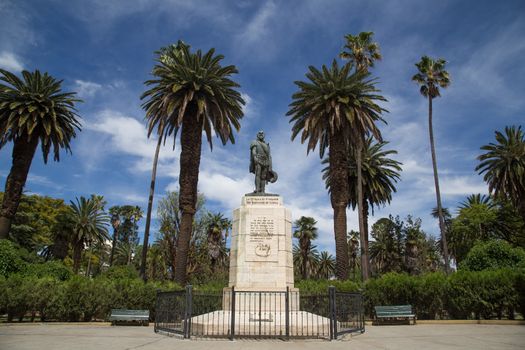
(462, 185)
(86, 89)
(10, 62)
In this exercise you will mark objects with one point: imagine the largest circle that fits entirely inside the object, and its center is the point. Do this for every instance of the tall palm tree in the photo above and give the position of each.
(193, 92)
(335, 108)
(431, 76)
(160, 131)
(362, 52)
(504, 166)
(379, 174)
(31, 110)
(115, 223)
(89, 225)
(305, 232)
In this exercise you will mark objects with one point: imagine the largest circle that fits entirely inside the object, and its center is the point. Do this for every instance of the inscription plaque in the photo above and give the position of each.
(262, 244)
(273, 201)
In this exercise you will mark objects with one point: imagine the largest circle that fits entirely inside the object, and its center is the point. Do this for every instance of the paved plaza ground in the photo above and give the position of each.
(103, 336)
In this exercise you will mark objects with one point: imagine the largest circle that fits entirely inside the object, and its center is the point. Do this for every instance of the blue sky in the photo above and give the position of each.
(104, 50)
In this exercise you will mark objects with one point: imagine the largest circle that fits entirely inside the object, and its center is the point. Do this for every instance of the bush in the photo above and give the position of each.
(55, 269)
(121, 272)
(390, 289)
(493, 254)
(484, 294)
(430, 296)
(10, 261)
(321, 286)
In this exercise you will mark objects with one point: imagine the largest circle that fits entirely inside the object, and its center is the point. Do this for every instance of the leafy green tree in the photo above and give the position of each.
(494, 254)
(336, 107)
(31, 110)
(504, 167)
(305, 231)
(89, 225)
(192, 92)
(431, 76)
(475, 222)
(386, 250)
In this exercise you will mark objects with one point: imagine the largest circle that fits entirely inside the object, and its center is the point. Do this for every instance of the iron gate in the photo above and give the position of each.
(259, 314)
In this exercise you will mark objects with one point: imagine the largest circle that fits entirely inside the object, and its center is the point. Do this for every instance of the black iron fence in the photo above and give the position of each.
(260, 314)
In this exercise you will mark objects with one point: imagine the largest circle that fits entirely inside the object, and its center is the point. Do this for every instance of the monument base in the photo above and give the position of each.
(301, 323)
(254, 300)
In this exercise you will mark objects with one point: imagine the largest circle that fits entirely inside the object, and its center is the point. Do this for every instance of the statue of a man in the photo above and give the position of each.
(261, 163)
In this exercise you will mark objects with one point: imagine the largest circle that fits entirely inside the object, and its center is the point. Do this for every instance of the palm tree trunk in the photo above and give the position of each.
(113, 245)
(77, 255)
(190, 157)
(88, 265)
(339, 201)
(150, 206)
(23, 152)
(362, 233)
(436, 183)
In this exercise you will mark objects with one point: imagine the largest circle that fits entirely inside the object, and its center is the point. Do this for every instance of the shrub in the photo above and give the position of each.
(121, 272)
(493, 254)
(10, 261)
(321, 286)
(55, 269)
(430, 295)
(390, 289)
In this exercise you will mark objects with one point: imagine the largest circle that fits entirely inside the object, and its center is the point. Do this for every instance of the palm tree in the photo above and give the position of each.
(89, 225)
(431, 76)
(115, 223)
(353, 251)
(31, 110)
(218, 229)
(325, 265)
(362, 52)
(160, 131)
(192, 92)
(306, 232)
(379, 173)
(504, 167)
(335, 108)
(310, 259)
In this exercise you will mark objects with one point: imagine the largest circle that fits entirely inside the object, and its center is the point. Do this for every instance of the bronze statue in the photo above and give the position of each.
(261, 163)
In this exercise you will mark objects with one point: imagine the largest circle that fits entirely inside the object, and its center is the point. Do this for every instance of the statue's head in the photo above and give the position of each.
(260, 135)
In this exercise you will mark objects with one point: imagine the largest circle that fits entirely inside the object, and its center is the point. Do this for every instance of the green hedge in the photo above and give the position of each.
(462, 295)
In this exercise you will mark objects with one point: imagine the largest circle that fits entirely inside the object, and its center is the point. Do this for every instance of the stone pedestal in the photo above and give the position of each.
(261, 249)
(261, 245)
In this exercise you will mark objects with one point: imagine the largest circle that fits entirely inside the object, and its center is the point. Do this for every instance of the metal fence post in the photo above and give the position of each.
(287, 316)
(232, 308)
(157, 310)
(333, 318)
(188, 311)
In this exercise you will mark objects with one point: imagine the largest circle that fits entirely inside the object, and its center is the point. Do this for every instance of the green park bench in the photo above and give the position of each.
(394, 313)
(124, 316)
